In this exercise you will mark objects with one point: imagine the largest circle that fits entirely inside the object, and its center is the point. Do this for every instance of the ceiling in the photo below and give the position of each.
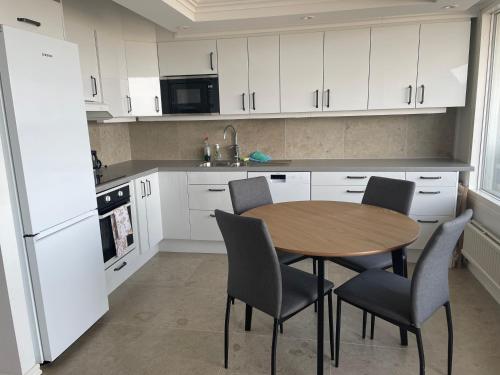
(190, 17)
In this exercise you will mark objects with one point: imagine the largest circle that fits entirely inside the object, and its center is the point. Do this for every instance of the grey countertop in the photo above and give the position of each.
(118, 174)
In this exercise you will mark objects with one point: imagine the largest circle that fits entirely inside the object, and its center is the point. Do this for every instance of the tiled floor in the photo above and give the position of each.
(169, 319)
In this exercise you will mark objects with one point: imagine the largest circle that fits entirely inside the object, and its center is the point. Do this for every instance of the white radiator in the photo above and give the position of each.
(482, 250)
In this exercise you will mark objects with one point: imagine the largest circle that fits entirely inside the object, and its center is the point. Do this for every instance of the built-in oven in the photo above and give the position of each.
(190, 94)
(107, 202)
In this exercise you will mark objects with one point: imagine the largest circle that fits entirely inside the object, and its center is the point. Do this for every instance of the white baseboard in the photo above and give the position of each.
(485, 280)
(35, 370)
(190, 246)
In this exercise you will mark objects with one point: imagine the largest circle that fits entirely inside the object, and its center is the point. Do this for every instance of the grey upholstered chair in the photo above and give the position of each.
(393, 194)
(257, 278)
(409, 303)
(251, 193)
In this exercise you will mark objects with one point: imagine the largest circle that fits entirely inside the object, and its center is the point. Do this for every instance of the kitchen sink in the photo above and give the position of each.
(230, 164)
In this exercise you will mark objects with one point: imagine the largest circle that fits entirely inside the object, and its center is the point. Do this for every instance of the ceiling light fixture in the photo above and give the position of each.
(450, 6)
(184, 27)
(306, 18)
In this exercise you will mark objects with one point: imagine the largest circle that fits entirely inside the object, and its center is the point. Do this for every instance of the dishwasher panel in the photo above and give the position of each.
(287, 186)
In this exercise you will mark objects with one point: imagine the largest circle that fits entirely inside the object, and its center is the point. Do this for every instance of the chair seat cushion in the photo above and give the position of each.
(367, 262)
(289, 258)
(383, 293)
(300, 289)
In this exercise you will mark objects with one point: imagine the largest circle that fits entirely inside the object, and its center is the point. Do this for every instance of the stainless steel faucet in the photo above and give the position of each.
(234, 146)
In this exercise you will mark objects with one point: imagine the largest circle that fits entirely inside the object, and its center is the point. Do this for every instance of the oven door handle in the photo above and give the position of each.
(108, 214)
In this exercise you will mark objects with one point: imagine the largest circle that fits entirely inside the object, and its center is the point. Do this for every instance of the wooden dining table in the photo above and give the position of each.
(326, 229)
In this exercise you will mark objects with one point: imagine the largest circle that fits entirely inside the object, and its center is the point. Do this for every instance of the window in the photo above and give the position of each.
(490, 166)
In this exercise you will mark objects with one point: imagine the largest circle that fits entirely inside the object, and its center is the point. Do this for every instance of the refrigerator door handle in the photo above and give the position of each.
(62, 226)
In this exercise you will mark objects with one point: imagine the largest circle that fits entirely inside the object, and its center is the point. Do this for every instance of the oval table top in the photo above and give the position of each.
(333, 229)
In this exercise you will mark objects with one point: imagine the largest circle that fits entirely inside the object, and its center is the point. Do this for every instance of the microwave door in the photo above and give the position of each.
(188, 97)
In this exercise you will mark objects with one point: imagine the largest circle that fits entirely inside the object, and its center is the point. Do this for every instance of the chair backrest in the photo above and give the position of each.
(254, 275)
(429, 286)
(249, 193)
(389, 193)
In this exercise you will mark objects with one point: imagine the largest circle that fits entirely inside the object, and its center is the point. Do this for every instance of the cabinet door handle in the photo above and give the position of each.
(243, 102)
(211, 61)
(216, 190)
(253, 100)
(149, 187)
(430, 177)
(143, 190)
(428, 221)
(120, 267)
(429, 192)
(422, 98)
(157, 104)
(93, 80)
(317, 98)
(328, 98)
(355, 191)
(410, 88)
(129, 104)
(357, 177)
(29, 21)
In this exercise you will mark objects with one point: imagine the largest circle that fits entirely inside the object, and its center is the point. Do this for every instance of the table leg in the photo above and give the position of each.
(398, 265)
(321, 311)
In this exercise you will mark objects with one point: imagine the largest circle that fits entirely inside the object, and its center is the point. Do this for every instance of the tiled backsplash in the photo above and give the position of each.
(379, 137)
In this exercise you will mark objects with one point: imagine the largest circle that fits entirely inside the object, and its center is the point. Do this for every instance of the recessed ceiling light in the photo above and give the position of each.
(306, 18)
(450, 6)
(184, 27)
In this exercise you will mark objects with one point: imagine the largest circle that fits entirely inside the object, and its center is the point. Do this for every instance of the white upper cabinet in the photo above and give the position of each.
(80, 29)
(301, 65)
(393, 66)
(112, 62)
(187, 57)
(143, 79)
(233, 76)
(39, 16)
(442, 64)
(263, 74)
(347, 68)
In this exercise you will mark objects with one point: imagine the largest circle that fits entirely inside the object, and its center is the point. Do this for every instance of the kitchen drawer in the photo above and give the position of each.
(209, 197)
(440, 201)
(350, 178)
(121, 270)
(204, 226)
(433, 178)
(428, 225)
(214, 178)
(353, 193)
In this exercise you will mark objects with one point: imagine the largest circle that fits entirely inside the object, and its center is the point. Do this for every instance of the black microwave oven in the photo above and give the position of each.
(190, 94)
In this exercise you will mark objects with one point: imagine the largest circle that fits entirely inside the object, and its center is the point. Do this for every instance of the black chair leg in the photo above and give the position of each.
(337, 332)
(232, 301)
(450, 336)
(226, 331)
(420, 351)
(372, 328)
(315, 272)
(365, 315)
(273, 348)
(281, 328)
(330, 324)
(248, 318)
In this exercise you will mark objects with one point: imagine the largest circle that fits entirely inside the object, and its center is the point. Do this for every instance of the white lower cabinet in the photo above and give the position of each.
(204, 226)
(149, 217)
(428, 224)
(353, 194)
(175, 205)
(122, 270)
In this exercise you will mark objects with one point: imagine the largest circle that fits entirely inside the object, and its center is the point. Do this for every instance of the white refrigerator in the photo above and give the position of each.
(43, 108)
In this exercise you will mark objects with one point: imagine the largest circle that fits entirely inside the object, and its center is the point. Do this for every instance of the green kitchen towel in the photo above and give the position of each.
(259, 157)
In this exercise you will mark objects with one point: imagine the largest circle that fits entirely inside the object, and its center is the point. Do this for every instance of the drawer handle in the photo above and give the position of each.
(216, 190)
(212, 215)
(120, 267)
(29, 21)
(355, 191)
(428, 221)
(429, 192)
(278, 177)
(357, 177)
(430, 178)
